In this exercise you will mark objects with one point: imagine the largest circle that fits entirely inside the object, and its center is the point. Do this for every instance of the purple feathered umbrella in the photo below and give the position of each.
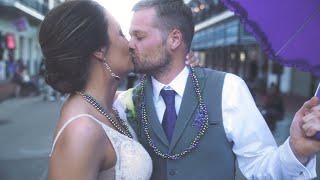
(288, 30)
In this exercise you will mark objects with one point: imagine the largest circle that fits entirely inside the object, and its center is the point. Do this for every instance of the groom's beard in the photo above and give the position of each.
(155, 63)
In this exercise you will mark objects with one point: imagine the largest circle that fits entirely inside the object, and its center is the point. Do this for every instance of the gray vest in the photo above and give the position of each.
(213, 158)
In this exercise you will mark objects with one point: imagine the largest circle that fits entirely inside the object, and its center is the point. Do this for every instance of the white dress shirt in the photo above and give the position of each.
(177, 85)
(253, 144)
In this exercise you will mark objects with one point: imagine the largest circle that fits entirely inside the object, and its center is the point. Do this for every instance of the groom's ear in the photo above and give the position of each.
(175, 39)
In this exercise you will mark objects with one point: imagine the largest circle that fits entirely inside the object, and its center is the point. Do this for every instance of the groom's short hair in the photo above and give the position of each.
(172, 14)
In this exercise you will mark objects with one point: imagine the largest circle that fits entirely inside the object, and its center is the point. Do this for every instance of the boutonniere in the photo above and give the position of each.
(126, 100)
(131, 101)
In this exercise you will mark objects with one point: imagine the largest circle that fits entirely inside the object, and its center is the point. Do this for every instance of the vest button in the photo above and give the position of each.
(172, 172)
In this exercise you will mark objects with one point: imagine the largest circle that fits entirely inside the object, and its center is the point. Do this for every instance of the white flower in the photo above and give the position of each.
(126, 99)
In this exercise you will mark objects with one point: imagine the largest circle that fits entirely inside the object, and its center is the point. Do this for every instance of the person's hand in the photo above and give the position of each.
(301, 143)
(311, 122)
(193, 60)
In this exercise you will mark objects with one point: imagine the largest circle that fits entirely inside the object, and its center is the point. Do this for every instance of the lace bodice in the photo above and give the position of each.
(133, 161)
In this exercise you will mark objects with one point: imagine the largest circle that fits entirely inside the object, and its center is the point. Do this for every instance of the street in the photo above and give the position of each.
(26, 128)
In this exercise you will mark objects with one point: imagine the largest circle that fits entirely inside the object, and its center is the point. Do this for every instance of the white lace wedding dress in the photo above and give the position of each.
(133, 161)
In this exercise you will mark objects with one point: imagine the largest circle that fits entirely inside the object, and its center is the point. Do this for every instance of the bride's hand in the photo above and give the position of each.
(193, 60)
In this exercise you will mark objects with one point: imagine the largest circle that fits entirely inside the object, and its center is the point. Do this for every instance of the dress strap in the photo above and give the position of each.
(70, 121)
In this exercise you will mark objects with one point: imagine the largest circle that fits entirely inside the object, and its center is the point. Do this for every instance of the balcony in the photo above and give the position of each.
(34, 4)
(33, 8)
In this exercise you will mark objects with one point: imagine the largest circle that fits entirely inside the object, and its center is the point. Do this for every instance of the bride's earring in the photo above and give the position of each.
(110, 70)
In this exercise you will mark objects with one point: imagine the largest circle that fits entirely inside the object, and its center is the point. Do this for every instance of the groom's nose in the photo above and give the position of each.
(131, 51)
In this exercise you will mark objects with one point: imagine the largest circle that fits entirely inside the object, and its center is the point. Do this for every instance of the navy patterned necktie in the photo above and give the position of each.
(170, 116)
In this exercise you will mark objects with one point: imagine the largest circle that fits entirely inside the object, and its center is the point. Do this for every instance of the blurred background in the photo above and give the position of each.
(29, 108)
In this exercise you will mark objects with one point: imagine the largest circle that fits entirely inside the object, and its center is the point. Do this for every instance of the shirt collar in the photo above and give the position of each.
(177, 84)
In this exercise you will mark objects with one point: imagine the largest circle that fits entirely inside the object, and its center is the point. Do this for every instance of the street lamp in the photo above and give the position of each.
(242, 56)
(202, 6)
(196, 9)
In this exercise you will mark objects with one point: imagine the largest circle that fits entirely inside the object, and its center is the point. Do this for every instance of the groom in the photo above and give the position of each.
(195, 123)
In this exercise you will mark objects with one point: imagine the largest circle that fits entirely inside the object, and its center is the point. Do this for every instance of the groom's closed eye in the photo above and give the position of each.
(139, 38)
(138, 35)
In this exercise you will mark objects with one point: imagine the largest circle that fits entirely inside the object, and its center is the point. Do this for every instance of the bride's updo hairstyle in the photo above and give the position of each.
(68, 36)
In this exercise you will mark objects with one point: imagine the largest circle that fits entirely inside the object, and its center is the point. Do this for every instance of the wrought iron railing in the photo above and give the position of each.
(42, 8)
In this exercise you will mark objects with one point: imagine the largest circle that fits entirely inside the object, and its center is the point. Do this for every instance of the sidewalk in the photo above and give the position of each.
(292, 103)
(7, 90)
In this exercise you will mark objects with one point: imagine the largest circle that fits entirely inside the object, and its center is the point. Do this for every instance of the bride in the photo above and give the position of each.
(81, 43)
(86, 55)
